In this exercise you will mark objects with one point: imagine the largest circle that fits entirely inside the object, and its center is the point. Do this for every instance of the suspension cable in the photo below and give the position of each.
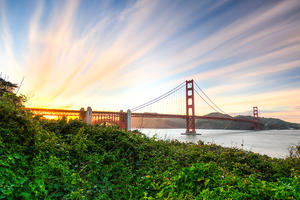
(159, 98)
(155, 100)
(210, 99)
(205, 101)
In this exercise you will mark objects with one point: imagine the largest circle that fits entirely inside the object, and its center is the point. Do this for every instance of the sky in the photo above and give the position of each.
(114, 55)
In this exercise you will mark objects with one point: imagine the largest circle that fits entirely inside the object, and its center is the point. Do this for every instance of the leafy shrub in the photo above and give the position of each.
(41, 159)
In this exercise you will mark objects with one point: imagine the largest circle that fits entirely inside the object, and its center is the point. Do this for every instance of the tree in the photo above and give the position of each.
(6, 86)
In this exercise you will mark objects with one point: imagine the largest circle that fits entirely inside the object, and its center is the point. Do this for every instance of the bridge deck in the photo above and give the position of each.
(155, 115)
(46, 111)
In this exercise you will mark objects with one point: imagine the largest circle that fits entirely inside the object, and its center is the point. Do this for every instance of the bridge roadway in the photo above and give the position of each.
(156, 115)
(53, 112)
(123, 119)
(63, 112)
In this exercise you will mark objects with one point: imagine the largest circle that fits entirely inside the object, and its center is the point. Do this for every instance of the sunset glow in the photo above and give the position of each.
(114, 55)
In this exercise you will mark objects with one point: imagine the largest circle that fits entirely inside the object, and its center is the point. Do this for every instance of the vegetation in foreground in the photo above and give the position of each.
(42, 159)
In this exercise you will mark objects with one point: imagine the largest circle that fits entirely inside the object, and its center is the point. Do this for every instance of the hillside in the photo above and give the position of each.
(269, 123)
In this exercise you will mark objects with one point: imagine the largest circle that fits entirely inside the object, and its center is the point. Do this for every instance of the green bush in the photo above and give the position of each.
(42, 159)
(208, 181)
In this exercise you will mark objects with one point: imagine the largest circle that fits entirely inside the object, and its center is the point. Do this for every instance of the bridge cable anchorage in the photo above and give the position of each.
(159, 98)
(220, 110)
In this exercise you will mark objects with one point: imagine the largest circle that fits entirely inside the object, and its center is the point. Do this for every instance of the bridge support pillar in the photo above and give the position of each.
(190, 108)
(255, 116)
(89, 115)
(82, 115)
(128, 120)
(123, 120)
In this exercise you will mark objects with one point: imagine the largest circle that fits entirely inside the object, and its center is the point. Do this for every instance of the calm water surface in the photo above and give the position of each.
(274, 143)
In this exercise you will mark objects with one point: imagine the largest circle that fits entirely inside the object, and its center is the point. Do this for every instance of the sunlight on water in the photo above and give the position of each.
(274, 143)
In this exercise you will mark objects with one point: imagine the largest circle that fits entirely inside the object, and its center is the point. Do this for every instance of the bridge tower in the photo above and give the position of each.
(128, 127)
(190, 107)
(123, 120)
(255, 116)
(82, 115)
(89, 115)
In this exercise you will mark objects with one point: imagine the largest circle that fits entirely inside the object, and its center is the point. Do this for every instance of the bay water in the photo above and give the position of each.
(274, 143)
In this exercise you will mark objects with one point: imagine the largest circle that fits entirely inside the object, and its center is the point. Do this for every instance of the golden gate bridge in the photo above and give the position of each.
(123, 119)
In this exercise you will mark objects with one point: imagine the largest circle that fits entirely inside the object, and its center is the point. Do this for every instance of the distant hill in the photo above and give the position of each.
(269, 123)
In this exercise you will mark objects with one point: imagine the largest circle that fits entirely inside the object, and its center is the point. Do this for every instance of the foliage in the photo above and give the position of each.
(6, 86)
(41, 159)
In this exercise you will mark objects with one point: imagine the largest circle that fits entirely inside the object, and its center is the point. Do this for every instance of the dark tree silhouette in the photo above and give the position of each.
(6, 86)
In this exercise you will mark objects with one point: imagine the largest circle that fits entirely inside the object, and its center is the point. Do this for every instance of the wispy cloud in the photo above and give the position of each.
(7, 41)
(78, 53)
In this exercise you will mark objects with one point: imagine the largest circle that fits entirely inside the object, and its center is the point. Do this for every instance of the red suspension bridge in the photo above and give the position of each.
(123, 119)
